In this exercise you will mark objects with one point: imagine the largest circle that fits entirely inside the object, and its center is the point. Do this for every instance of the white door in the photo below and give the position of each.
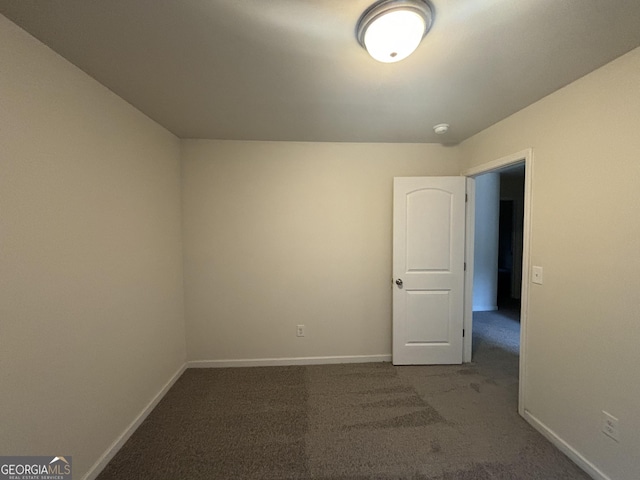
(428, 270)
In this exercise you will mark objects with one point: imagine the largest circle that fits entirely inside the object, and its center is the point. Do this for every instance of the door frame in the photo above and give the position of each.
(525, 156)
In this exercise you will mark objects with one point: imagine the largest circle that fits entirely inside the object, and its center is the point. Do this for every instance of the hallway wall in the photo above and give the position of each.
(485, 259)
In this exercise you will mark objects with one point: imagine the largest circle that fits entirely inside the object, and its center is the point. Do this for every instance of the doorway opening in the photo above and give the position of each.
(496, 313)
(498, 265)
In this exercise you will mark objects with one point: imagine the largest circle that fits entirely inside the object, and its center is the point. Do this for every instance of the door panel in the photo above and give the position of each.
(428, 250)
(427, 316)
(428, 264)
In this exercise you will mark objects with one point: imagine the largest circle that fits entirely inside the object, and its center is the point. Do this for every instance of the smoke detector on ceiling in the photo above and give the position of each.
(441, 128)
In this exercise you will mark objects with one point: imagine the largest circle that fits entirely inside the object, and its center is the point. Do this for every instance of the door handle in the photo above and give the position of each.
(399, 282)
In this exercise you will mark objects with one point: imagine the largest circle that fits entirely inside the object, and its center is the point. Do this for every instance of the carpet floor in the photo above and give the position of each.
(497, 330)
(339, 422)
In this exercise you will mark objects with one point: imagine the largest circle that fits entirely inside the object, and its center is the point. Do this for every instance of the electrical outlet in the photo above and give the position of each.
(610, 426)
(300, 331)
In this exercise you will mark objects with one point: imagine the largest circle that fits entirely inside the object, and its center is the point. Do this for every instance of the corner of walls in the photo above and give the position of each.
(183, 291)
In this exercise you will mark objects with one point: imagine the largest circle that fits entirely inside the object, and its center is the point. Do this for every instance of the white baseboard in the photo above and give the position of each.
(277, 362)
(106, 457)
(485, 308)
(565, 448)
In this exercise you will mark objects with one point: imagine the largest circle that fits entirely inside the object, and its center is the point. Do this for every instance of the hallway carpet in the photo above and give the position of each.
(358, 421)
(499, 330)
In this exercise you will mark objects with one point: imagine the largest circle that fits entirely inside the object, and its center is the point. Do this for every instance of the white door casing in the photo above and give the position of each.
(428, 270)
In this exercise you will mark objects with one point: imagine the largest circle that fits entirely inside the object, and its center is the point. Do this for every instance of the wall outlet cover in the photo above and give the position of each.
(610, 426)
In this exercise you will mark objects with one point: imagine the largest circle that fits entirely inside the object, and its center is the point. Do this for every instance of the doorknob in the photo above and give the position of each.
(399, 282)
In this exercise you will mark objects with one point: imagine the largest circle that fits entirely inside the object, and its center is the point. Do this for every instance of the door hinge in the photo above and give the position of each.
(465, 266)
(463, 332)
(466, 197)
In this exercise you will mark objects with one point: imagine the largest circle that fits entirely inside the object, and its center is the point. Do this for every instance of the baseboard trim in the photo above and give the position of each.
(107, 456)
(565, 448)
(485, 308)
(278, 362)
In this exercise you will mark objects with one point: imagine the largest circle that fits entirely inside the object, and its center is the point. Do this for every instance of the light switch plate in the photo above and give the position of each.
(536, 275)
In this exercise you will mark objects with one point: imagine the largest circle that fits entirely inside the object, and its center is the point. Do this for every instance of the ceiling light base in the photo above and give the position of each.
(391, 30)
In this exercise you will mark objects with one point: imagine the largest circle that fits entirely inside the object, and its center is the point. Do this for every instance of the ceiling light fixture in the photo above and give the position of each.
(391, 30)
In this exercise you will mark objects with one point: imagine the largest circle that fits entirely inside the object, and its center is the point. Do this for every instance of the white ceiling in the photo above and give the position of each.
(293, 70)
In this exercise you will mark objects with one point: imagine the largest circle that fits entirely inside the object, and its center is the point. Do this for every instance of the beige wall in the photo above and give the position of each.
(91, 314)
(278, 234)
(584, 325)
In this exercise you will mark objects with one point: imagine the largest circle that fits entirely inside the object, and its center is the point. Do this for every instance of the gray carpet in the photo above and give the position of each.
(362, 421)
(497, 329)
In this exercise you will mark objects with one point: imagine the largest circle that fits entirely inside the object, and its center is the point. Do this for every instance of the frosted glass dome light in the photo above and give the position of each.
(391, 30)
